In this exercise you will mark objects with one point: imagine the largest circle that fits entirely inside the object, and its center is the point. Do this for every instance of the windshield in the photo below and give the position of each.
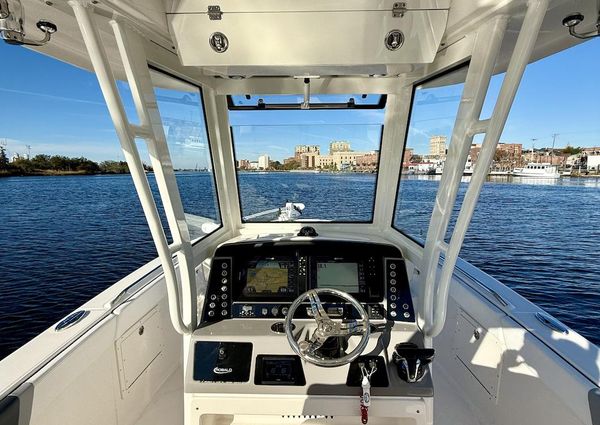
(307, 165)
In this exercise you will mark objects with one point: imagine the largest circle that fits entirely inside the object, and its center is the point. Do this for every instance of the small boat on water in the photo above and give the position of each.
(543, 170)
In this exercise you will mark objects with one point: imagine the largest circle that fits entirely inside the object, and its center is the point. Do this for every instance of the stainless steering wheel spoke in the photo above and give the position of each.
(316, 341)
(318, 311)
(326, 328)
(353, 327)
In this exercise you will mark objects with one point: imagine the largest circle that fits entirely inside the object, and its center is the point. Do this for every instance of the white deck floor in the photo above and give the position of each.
(167, 408)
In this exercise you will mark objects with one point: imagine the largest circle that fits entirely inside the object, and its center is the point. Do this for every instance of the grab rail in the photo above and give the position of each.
(435, 316)
(551, 322)
(183, 318)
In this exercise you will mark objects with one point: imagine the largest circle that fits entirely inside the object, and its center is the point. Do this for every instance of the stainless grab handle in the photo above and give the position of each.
(551, 322)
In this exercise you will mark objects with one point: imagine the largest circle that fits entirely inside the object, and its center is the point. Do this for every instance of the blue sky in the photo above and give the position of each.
(58, 109)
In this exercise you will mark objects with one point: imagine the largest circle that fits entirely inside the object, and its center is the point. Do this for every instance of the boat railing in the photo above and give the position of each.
(485, 51)
(181, 294)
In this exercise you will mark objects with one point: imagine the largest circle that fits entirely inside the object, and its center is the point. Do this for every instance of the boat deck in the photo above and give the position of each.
(167, 408)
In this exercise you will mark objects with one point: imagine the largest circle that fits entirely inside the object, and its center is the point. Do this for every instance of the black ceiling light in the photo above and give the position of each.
(571, 21)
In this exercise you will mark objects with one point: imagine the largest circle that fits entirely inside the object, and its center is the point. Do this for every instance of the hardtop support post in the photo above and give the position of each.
(485, 50)
(127, 134)
(142, 89)
(532, 22)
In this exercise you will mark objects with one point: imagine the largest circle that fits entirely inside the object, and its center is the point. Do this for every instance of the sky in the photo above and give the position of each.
(56, 108)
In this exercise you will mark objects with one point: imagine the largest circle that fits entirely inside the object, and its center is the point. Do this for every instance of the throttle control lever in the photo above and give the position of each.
(411, 361)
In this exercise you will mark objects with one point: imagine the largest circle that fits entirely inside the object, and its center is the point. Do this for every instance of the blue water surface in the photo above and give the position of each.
(64, 239)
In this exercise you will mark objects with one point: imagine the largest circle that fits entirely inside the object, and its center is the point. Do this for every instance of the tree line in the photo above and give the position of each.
(58, 164)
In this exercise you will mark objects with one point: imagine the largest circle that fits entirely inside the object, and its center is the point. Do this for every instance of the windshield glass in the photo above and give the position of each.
(307, 165)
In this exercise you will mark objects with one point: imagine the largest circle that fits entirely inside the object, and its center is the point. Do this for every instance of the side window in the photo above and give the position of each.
(434, 108)
(182, 113)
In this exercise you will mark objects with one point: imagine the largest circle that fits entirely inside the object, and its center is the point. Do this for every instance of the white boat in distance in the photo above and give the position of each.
(537, 170)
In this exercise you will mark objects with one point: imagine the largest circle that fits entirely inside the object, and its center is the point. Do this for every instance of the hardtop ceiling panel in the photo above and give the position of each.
(292, 33)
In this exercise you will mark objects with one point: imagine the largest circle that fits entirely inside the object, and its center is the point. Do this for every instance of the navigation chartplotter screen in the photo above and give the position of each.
(342, 276)
(268, 277)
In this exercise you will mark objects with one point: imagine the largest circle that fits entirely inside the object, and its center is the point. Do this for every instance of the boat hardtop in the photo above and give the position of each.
(267, 312)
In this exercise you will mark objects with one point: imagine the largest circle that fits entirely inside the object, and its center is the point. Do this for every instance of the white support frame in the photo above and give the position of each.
(182, 304)
(486, 50)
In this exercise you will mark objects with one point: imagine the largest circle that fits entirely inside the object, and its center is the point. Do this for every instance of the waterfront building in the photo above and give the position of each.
(253, 165)
(263, 162)
(507, 157)
(243, 164)
(324, 161)
(474, 151)
(302, 149)
(309, 160)
(513, 150)
(367, 162)
(437, 146)
(407, 156)
(289, 160)
(339, 160)
(593, 162)
(594, 150)
(339, 146)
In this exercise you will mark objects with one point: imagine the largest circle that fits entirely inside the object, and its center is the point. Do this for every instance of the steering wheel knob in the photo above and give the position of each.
(327, 328)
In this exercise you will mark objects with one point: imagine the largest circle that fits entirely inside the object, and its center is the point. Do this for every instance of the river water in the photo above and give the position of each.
(64, 239)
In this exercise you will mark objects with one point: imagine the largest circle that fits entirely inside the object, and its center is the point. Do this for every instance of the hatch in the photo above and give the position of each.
(290, 33)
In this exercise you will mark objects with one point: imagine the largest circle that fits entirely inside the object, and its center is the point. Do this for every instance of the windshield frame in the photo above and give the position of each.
(203, 106)
(291, 106)
(307, 221)
(461, 66)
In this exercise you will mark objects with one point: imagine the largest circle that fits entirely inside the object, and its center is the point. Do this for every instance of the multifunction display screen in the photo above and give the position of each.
(269, 277)
(337, 275)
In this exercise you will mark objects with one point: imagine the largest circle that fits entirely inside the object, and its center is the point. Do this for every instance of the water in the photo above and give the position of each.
(65, 239)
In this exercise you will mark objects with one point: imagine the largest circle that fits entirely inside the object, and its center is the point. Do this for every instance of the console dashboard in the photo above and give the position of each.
(260, 279)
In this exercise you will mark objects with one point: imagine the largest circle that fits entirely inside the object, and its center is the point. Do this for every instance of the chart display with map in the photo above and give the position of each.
(268, 277)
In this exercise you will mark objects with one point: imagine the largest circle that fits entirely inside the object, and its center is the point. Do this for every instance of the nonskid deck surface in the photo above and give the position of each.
(167, 405)
(167, 408)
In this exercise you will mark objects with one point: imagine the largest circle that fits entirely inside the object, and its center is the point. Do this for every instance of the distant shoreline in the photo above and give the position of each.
(51, 173)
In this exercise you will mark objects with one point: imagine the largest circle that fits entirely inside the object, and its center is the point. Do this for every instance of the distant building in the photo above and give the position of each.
(288, 160)
(253, 165)
(474, 151)
(595, 150)
(339, 160)
(324, 161)
(243, 164)
(339, 146)
(407, 156)
(437, 146)
(513, 150)
(263, 162)
(309, 160)
(367, 162)
(507, 156)
(301, 149)
(593, 162)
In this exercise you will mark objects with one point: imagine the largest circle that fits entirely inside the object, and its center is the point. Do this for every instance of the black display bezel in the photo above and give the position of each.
(373, 286)
(242, 280)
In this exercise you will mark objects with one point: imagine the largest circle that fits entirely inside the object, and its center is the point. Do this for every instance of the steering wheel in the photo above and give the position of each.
(326, 328)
